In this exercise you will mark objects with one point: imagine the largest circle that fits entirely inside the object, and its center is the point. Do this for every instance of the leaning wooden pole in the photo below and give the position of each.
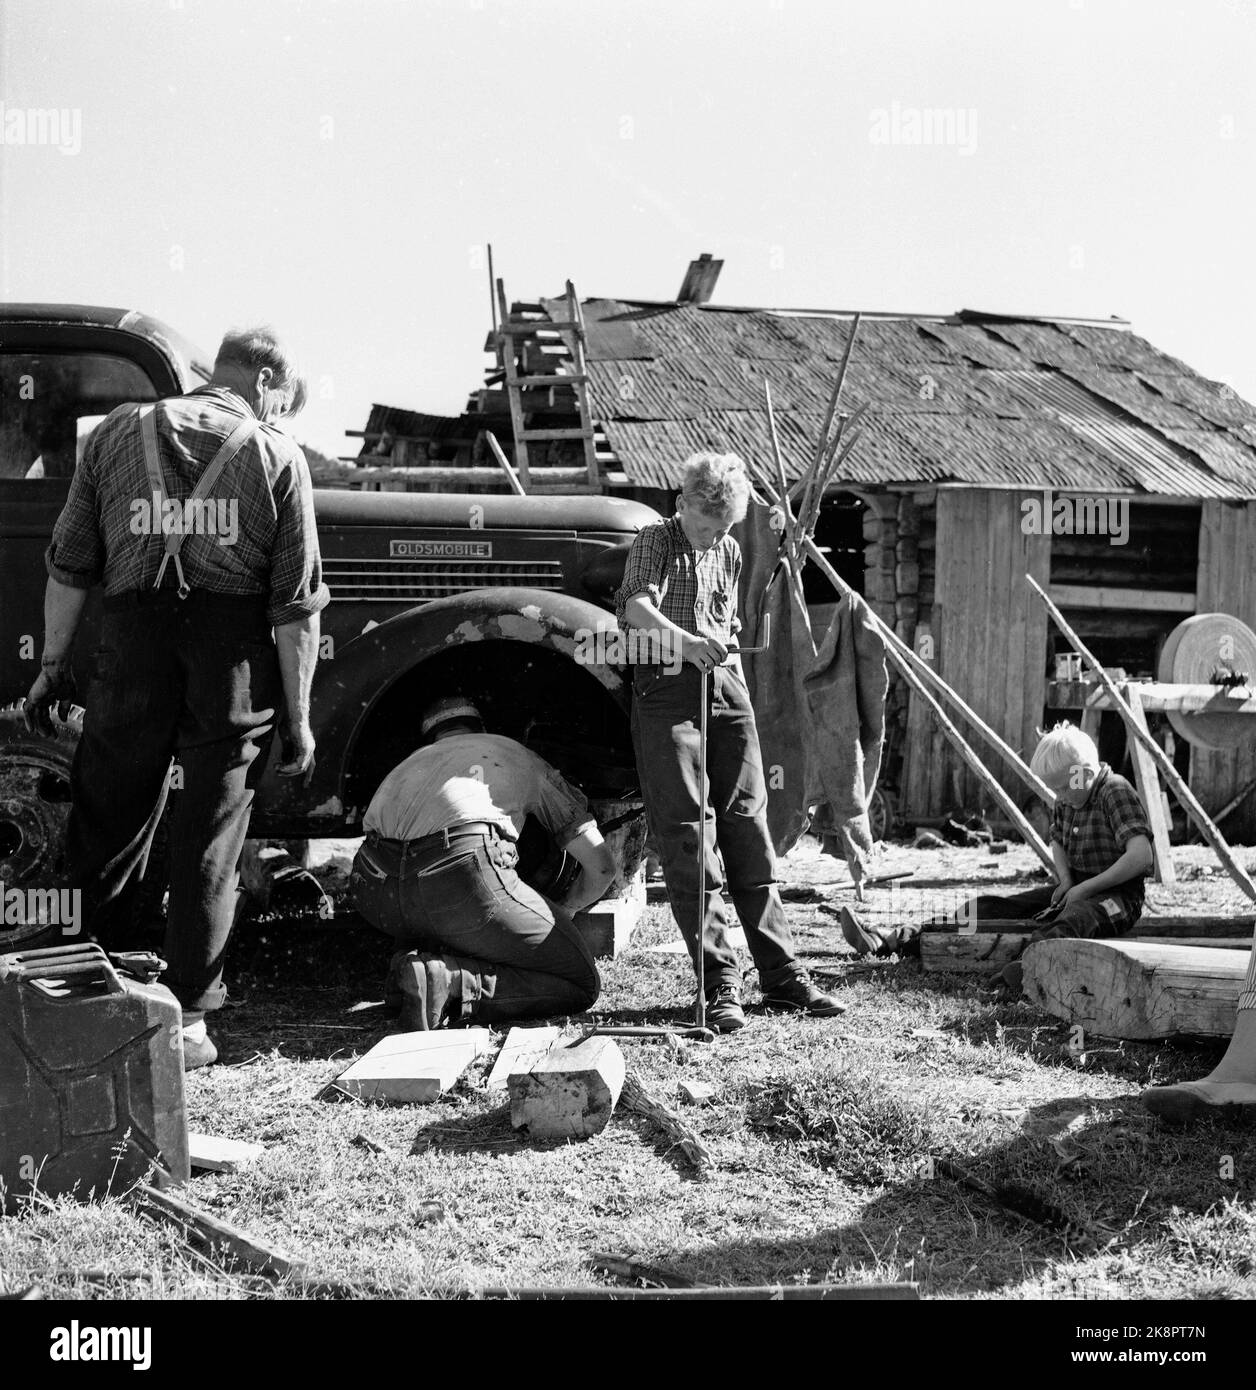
(1159, 756)
(902, 654)
(893, 643)
(983, 773)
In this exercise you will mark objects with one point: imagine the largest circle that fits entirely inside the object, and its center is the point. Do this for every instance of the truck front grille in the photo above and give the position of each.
(417, 581)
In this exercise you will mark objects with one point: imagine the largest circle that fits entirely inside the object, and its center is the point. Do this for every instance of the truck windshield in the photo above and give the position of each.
(50, 403)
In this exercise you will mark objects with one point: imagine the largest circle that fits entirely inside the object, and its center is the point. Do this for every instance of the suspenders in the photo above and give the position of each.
(229, 448)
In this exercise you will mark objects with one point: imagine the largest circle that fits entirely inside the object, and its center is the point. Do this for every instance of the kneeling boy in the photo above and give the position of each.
(1100, 845)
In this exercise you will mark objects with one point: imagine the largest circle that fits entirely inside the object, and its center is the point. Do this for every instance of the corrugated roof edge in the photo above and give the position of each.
(961, 316)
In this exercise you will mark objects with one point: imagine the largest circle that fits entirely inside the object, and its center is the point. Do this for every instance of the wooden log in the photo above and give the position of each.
(1138, 990)
(1167, 770)
(570, 1093)
(985, 952)
(413, 1068)
(523, 1047)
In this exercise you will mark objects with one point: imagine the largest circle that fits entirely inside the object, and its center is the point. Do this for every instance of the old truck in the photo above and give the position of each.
(489, 596)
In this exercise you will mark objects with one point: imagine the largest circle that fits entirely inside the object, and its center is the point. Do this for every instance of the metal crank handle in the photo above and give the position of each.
(767, 640)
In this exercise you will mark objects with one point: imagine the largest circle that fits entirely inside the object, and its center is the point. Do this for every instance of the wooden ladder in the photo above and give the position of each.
(572, 331)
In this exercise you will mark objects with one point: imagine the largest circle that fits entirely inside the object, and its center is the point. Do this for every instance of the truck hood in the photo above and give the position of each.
(334, 507)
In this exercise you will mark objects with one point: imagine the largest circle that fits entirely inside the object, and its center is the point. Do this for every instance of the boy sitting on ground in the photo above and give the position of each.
(1100, 846)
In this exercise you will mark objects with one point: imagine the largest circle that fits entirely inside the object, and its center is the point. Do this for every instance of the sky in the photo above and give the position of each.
(336, 168)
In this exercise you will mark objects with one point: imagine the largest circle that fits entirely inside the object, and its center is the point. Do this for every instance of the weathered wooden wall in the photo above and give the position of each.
(989, 632)
(1227, 584)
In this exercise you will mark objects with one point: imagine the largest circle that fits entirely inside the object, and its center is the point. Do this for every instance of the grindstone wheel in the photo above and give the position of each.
(1196, 653)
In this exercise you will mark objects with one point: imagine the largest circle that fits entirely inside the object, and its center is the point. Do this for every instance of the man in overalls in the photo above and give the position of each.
(196, 515)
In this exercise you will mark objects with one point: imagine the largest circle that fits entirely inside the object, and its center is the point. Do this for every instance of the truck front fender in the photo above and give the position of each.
(350, 684)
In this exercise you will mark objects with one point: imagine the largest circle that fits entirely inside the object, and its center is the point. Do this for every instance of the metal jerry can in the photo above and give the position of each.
(91, 1077)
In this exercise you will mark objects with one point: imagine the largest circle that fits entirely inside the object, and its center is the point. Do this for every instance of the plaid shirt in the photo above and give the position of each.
(1095, 834)
(696, 592)
(275, 551)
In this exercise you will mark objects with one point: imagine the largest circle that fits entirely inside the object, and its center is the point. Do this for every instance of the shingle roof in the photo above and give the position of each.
(969, 399)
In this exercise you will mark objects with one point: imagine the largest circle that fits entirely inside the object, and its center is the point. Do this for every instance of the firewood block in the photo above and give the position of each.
(607, 926)
(523, 1047)
(413, 1068)
(570, 1093)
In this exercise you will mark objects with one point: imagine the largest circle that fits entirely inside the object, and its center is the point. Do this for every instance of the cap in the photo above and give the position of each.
(446, 710)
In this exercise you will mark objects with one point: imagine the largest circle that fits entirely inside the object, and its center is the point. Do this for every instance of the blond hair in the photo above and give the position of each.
(1062, 748)
(717, 484)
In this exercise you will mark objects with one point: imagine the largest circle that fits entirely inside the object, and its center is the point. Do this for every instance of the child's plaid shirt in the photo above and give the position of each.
(696, 592)
(1095, 834)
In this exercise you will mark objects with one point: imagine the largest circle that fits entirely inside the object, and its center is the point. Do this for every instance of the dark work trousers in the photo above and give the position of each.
(520, 955)
(732, 810)
(195, 679)
(1108, 914)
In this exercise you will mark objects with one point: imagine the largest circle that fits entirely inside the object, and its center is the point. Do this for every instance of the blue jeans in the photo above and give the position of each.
(520, 955)
(733, 816)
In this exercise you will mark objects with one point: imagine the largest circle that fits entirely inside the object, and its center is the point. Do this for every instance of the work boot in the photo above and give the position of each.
(878, 941)
(724, 1013)
(429, 988)
(198, 1047)
(799, 995)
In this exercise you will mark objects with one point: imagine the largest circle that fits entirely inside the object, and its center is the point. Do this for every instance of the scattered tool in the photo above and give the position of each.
(704, 692)
(702, 1034)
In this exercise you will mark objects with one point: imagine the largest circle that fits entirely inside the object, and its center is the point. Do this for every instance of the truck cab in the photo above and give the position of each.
(492, 597)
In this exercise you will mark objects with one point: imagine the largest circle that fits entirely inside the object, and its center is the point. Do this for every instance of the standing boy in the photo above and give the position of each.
(680, 590)
(1100, 846)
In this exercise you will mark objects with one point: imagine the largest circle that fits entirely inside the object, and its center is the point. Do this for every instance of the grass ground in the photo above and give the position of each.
(824, 1135)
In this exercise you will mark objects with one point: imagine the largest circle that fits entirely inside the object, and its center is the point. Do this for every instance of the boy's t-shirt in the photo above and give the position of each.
(1095, 834)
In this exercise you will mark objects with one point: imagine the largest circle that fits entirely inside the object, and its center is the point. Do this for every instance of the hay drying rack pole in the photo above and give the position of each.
(797, 536)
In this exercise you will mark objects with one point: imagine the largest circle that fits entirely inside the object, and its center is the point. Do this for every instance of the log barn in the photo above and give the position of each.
(994, 446)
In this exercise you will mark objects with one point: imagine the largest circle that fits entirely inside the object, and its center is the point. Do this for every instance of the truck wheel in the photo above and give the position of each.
(34, 809)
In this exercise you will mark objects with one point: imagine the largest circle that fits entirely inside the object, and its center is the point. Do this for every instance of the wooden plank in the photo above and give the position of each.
(1147, 781)
(1158, 696)
(1122, 989)
(533, 436)
(220, 1238)
(214, 1155)
(1149, 600)
(570, 1093)
(523, 1047)
(413, 1068)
